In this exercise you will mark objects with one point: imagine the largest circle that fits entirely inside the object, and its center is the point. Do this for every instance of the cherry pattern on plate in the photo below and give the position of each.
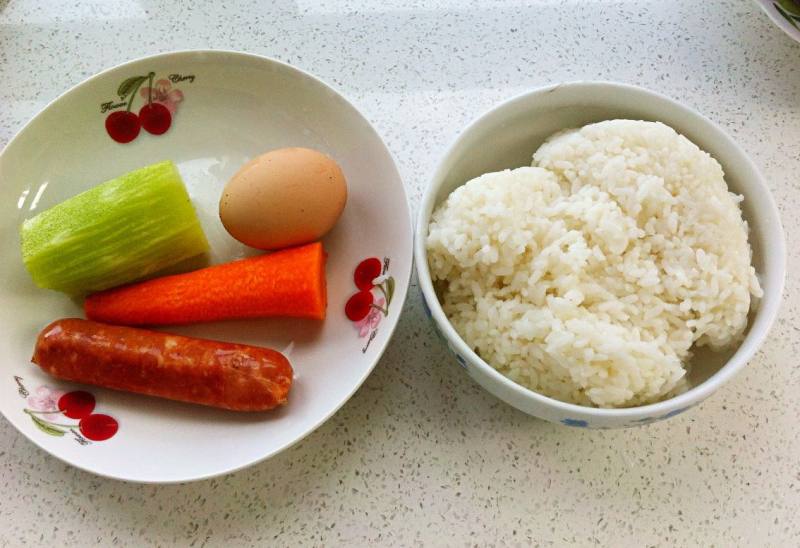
(359, 305)
(76, 405)
(123, 126)
(366, 272)
(51, 409)
(98, 427)
(365, 308)
(155, 116)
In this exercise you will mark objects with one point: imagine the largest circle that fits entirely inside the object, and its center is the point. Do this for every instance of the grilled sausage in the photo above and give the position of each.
(218, 374)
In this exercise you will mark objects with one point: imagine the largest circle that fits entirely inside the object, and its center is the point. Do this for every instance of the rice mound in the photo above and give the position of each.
(590, 276)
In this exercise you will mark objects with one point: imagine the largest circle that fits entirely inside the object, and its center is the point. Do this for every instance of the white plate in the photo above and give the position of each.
(228, 107)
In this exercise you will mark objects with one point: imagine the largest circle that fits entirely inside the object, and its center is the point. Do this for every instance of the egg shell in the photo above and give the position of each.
(283, 198)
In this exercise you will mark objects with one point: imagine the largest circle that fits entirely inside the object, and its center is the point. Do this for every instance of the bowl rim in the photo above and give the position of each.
(768, 7)
(679, 402)
(402, 289)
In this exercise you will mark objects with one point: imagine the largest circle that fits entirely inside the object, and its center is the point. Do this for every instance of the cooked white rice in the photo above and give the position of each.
(590, 276)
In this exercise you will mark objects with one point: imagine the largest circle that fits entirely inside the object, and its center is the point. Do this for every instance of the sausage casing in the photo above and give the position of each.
(218, 374)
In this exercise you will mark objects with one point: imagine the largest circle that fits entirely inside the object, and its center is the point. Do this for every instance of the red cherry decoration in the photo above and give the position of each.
(123, 126)
(155, 118)
(76, 405)
(357, 306)
(366, 271)
(98, 427)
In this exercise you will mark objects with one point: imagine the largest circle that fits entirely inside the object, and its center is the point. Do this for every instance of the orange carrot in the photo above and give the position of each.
(290, 282)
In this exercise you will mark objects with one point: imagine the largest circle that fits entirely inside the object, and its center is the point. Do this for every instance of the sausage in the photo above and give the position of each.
(218, 374)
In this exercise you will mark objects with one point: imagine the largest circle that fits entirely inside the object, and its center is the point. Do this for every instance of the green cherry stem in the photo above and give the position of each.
(136, 89)
(385, 296)
(69, 426)
(150, 89)
(376, 307)
(34, 412)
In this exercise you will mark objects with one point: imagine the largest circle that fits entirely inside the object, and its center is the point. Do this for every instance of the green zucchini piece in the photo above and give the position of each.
(120, 231)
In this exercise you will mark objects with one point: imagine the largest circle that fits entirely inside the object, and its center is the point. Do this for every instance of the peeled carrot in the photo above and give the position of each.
(285, 283)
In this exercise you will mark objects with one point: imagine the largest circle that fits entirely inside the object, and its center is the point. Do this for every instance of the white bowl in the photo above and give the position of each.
(786, 18)
(231, 106)
(507, 135)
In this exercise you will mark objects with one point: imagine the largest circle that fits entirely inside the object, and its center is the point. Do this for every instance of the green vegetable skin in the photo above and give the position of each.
(120, 231)
(791, 6)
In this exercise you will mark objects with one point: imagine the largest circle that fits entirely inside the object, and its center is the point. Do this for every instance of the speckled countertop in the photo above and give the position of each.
(421, 454)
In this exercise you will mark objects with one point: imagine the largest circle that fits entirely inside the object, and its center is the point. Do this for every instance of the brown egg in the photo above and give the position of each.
(285, 197)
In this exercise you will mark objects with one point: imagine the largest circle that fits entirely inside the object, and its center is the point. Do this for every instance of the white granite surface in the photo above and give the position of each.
(422, 455)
